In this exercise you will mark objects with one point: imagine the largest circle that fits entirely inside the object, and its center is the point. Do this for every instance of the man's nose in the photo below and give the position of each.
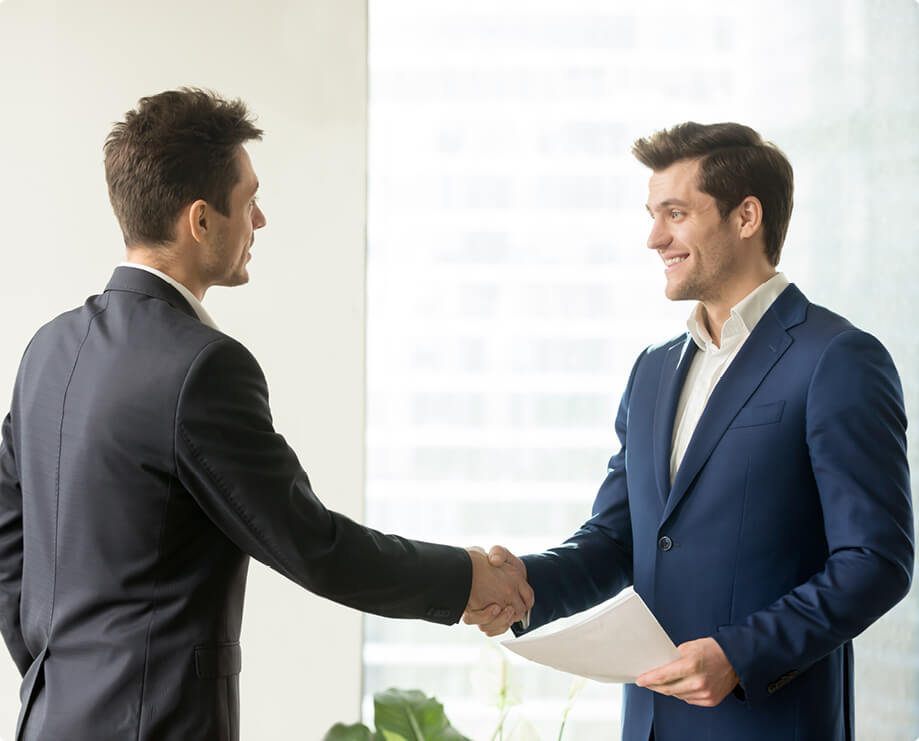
(659, 237)
(258, 218)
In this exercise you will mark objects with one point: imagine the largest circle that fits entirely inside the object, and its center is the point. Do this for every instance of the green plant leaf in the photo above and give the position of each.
(341, 732)
(409, 715)
(390, 736)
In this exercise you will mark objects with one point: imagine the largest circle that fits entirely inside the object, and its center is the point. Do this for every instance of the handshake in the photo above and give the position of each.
(500, 594)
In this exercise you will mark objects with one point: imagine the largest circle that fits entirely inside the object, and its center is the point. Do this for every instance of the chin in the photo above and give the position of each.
(238, 279)
(682, 291)
(673, 292)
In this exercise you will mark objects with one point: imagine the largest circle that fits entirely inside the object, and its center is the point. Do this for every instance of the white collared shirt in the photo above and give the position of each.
(709, 364)
(195, 304)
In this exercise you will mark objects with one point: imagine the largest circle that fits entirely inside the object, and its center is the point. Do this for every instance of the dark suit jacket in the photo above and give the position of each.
(787, 530)
(139, 471)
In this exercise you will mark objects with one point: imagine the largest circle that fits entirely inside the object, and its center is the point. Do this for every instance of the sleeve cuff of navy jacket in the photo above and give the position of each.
(727, 639)
(753, 687)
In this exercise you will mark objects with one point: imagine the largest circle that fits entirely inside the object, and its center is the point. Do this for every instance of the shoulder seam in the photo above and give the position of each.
(57, 472)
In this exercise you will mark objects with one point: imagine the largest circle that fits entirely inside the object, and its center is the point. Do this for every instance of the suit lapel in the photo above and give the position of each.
(673, 375)
(762, 349)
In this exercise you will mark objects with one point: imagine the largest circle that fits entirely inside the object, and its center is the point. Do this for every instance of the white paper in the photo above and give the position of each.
(613, 642)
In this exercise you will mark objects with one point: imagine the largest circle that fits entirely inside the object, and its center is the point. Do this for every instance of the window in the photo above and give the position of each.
(510, 289)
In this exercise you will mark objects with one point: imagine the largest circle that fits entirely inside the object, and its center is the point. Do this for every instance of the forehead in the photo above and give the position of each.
(675, 182)
(248, 181)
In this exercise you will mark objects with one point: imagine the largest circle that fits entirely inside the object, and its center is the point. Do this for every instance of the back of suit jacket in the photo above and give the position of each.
(786, 531)
(140, 469)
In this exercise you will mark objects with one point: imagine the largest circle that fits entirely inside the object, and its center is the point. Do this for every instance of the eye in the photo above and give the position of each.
(675, 214)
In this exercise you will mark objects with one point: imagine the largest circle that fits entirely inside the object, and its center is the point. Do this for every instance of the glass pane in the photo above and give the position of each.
(510, 289)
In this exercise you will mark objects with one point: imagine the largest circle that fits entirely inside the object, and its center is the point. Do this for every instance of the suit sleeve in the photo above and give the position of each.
(596, 562)
(11, 551)
(856, 437)
(250, 483)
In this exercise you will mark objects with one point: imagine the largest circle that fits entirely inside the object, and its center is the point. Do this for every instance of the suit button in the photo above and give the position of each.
(665, 544)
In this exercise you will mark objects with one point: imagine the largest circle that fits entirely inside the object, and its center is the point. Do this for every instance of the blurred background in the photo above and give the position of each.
(510, 289)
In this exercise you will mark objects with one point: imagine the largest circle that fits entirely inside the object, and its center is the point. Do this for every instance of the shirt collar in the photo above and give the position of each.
(195, 304)
(744, 315)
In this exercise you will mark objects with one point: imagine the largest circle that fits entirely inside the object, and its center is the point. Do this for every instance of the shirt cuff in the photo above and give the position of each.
(524, 622)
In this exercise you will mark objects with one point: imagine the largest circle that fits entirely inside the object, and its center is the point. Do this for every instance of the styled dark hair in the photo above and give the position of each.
(174, 148)
(734, 162)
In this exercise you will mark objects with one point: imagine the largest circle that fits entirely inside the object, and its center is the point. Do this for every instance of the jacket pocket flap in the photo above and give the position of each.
(221, 660)
(760, 414)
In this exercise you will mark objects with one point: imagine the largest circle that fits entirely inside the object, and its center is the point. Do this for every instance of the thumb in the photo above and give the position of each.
(498, 555)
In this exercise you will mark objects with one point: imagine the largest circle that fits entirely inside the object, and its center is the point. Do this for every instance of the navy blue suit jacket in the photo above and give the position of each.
(786, 532)
(139, 471)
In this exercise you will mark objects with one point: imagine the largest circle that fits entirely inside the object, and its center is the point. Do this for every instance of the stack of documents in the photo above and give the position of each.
(612, 642)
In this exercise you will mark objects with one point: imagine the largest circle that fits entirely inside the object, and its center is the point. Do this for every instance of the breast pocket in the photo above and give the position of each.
(759, 414)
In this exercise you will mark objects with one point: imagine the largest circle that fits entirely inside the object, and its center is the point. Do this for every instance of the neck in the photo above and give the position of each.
(165, 260)
(716, 313)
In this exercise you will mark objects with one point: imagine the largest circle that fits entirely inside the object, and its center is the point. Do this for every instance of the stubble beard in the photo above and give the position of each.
(690, 288)
(220, 273)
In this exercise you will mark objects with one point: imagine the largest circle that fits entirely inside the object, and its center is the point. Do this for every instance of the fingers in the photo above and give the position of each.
(663, 676)
(694, 689)
(492, 620)
(500, 625)
(492, 625)
(702, 676)
(498, 555)
(514, 572)
(674, 678)
(515, 600)
(491, 585)
(498, 583)
(483, 616)
(527, 595)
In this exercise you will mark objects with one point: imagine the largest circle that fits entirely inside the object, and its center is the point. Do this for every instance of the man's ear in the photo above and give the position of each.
(197, 219)
(750, 215)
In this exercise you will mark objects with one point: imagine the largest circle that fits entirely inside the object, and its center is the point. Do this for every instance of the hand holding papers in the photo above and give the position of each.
(613, 642)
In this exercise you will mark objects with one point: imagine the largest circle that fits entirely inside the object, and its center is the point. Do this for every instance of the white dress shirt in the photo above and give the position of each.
(709, 364)
(186, 294)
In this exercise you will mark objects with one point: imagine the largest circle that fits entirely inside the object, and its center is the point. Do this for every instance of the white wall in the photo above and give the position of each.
(70, 69)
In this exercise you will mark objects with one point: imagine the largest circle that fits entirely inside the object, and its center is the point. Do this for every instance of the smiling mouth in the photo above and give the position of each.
(670, 261)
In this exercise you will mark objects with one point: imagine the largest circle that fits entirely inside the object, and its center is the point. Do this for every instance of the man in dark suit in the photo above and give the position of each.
(139, 468)
(760, 502)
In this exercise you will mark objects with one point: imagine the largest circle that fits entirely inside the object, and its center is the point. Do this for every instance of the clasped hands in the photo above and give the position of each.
(501, 596)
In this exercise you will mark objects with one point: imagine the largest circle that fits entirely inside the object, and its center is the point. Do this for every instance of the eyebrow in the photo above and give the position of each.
(667, 203)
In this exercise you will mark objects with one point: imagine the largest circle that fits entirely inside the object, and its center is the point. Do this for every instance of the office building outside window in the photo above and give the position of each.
(510, 290)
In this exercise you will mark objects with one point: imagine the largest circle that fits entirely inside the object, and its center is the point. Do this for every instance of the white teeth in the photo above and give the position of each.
(673, 260)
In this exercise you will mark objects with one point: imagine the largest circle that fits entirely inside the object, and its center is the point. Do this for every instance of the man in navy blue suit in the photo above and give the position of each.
(760, 502)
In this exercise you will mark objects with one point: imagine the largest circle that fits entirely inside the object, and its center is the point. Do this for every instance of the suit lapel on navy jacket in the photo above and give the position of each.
(762, 349)
(673, 375)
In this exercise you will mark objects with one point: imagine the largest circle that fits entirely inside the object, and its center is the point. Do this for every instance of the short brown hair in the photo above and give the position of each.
(734, 162)
(174, 148)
